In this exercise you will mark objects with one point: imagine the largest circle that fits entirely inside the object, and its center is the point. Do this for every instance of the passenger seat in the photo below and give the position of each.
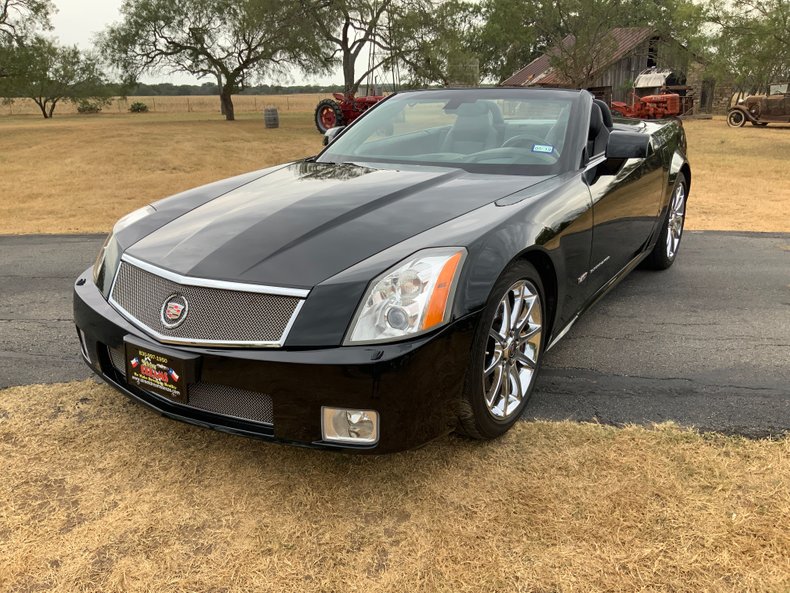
(472, 131)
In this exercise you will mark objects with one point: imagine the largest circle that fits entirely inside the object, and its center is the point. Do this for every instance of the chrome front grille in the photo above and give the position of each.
(217, 314)
(242, 404)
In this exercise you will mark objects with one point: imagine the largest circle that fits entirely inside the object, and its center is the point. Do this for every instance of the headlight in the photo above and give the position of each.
(110, 246)
(413, 297)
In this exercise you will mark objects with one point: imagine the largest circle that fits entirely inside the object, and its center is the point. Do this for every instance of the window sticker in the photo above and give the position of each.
(545, 148)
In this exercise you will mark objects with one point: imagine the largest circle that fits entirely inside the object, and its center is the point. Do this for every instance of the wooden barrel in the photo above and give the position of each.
(271, 118)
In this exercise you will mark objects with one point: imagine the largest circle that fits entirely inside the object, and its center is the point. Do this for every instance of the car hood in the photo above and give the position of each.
(306, 222)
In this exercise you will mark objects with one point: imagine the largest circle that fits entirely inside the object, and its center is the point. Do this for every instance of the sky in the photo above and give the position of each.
(77, 22)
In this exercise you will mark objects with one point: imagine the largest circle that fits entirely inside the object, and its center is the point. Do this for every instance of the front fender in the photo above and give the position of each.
(678, 163)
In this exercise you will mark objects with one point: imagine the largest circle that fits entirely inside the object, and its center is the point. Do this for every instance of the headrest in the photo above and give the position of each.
(472, 109)
(605, 112)
(596, 122)
(496, 113)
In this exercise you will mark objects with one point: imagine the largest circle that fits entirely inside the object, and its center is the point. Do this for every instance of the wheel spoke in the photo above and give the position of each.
(518, 306)
(498, 338)
(495, 360)
(496, 387)
(531, 332)
(505, 391)
(519, 392)
(524, 359)
(507, 311)
(530, 309)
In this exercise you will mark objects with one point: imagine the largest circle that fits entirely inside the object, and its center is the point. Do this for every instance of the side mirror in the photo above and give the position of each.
(627, 145)
(330, 134)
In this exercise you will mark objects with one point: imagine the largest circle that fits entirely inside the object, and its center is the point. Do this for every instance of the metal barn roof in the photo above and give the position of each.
(539, 70)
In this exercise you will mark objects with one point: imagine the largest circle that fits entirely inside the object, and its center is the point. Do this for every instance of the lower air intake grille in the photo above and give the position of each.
(231, 401)
(251, 406)
(118, 359)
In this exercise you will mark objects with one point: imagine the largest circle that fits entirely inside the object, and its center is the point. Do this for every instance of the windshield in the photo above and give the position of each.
(491, 130)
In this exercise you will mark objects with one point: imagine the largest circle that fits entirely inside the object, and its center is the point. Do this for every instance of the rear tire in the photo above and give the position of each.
(665, 251)
(328, 115)
(506, 356)
(760, 124)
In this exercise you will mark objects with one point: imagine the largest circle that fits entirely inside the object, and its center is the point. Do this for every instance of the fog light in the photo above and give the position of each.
(358, 427)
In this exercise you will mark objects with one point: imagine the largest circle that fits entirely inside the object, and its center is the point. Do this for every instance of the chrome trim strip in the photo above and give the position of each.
(208, 283)
(215, 284)
(561, 335)
(84, 346)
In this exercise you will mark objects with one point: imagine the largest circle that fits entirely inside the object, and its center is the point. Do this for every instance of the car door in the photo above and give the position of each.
(626, 204)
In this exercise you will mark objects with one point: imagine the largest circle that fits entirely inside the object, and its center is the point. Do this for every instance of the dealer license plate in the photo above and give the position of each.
(156, 372)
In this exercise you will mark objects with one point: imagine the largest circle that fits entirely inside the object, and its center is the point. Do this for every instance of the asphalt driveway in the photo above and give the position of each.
(706, 343)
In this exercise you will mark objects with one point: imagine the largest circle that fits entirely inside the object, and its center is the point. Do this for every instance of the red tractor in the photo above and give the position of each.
(649, 106)
(656, 95)
(342, 110)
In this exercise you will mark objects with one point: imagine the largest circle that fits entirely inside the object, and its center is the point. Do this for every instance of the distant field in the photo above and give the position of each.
(193, 104)
(79, 173)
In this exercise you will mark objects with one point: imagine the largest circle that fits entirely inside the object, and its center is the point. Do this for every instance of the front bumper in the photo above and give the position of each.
(415, 386)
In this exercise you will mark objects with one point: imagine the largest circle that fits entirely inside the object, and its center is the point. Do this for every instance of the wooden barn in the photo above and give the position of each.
(627, 51)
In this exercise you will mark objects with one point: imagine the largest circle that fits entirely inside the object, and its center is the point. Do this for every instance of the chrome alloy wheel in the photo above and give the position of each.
(677, 211)
(512, 350)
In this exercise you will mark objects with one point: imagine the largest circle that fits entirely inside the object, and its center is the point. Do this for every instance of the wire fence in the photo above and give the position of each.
(183, 104)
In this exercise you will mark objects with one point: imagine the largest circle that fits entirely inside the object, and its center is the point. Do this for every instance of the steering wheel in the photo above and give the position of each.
(523, 141)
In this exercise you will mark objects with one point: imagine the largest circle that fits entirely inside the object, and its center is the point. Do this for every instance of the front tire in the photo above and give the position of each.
(736, 118)
(665, 251)
(506, 354)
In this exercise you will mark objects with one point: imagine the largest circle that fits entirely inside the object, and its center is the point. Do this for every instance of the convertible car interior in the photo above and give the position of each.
(478, 132)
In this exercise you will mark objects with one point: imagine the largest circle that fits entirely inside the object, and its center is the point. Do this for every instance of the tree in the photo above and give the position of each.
(348, 27)
(18, 17)
(48, 73)
(355, 28)
(233, 42)
(750, 45)
(579, 35)
(439, 46)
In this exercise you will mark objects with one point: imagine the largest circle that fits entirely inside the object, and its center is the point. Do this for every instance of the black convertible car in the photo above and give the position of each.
(404, 283)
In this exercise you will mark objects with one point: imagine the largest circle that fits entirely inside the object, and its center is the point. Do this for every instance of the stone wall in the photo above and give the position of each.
(722, 96)
(694, 78)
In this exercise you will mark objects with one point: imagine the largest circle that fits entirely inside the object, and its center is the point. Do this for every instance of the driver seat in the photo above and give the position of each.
(472, 131)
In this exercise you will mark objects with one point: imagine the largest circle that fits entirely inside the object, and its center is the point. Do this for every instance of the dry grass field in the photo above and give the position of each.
(740, 176)
(81, 173)
(98, 494)
(101, 495)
